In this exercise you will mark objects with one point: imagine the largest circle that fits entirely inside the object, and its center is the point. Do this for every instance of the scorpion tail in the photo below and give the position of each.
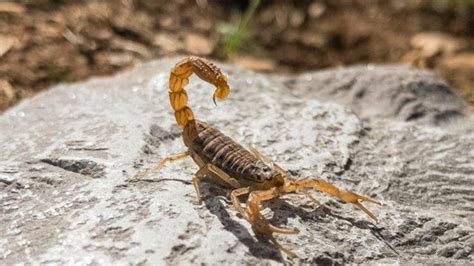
(179, 78)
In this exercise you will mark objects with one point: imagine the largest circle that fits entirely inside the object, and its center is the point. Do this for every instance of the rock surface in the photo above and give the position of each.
(396, 134)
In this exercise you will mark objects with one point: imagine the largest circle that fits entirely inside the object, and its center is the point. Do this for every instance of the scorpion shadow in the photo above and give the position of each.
(262, 248)
(283, 210)
(212, 197)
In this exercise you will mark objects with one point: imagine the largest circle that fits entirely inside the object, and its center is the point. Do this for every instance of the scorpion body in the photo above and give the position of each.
(226, 162)
(214, 147)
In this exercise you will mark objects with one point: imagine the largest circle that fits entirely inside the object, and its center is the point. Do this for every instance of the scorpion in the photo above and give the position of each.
(224, 161)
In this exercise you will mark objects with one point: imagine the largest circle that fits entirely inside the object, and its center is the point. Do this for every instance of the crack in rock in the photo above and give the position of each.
(83, 166)
(156, 136)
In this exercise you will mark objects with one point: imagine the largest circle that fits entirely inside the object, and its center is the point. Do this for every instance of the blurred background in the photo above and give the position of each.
(45, 42)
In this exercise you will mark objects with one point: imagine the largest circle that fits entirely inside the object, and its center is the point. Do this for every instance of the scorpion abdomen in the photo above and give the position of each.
(222, 151)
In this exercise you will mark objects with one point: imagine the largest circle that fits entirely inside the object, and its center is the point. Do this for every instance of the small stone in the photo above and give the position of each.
(11, 7)
(432, 43)
(253, 63)
(198, 44)
(131, 46)
(297, 18)
(459, 62)
(167, 42)
(316, 9)
(6, 90)
(6, 43)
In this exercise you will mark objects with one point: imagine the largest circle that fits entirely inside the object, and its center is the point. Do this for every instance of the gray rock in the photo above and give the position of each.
(67, 153)
(394, 92)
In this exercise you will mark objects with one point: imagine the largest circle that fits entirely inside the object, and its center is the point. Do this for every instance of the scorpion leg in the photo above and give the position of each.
(281, 171)
(197, 183)
(157, 167)
(306, 193)
(211, 171)
(216, 171)
(323, 186)
(234, 195)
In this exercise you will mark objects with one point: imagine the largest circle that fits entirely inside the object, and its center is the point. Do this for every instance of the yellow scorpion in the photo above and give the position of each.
(228, 163)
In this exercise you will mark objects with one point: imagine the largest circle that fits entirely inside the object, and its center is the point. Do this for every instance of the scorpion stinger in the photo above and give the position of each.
(179, 78)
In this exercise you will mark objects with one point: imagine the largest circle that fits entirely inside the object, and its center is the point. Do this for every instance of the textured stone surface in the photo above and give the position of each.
(392, 92)
(66, 155)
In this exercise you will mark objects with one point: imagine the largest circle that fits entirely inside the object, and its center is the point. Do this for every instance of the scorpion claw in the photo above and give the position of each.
(356, 199)
(262, 227)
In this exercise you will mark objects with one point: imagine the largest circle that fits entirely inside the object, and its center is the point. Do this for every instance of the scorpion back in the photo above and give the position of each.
(218, 149)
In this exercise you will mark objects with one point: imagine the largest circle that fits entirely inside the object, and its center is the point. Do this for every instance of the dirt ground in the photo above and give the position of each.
(44, 42)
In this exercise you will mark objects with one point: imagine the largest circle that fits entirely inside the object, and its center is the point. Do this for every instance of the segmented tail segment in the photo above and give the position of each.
(179, 78)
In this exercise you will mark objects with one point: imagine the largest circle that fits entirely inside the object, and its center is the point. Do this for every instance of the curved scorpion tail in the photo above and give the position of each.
(179, 78)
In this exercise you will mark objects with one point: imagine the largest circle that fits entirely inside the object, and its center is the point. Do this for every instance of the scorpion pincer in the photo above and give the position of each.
(228, 163)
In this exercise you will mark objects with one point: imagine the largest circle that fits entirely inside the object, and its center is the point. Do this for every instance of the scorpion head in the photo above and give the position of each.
(264, 173)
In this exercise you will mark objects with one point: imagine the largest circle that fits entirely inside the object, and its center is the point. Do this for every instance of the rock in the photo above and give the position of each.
(394, 92)
(67, 153)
